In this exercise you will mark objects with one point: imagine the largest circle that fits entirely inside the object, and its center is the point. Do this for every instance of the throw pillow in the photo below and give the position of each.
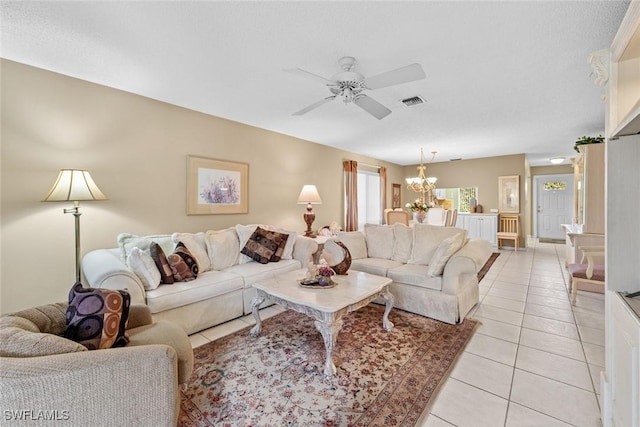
(262, 245)
(97, 318)
(380, 240)
(244, 233)
(127, 241)
(197, 246)
(145, 268)
(291, 240)
(183, 265)
(223, 248)
(283, 239)
(445, 250)
(158, 256)
(403, 243)
(355, 241)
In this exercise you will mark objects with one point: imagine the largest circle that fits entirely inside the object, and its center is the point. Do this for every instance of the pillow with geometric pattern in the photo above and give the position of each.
(97, 318)
(158, 256)
(263, 245)
(183, 264)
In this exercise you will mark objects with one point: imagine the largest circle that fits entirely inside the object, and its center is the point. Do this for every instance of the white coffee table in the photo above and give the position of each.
(326, 306)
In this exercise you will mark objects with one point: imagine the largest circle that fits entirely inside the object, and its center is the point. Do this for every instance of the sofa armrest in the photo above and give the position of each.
(103, 268)
(139, 315)
(122, 386)
(467, 261)
(303, 249)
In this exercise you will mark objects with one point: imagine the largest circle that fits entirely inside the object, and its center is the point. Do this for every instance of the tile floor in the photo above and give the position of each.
(535, 360)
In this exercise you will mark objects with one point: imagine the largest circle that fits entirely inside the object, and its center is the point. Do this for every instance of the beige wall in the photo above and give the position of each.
(482, 173)
(136, 150)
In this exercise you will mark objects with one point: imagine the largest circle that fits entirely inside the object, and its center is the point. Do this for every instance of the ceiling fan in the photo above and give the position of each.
(350, 85)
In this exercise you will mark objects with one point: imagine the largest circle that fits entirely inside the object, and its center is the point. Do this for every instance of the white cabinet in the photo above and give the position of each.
(622, 380)
(589, 188)
(480, 226)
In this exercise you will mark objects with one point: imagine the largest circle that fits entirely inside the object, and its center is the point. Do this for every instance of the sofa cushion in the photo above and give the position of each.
(159, 257)
(446, 249)
(205, 286)
(223, 248)
(183, 265)
(380, 240)
(262, 245)
(97, 318)
(287, 253)
(403, 243)
(355, 242)
(145, 268)
(426, 239)
(377, 266)
(197, 246)
(254, 272)
(127, 241)
(415, 274)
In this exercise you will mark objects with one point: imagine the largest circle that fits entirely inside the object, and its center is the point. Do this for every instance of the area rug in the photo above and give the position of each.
(383, 378)
(487, 265)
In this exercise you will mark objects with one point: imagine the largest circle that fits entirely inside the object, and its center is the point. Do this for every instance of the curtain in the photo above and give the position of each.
(383, 191)
(350, 168)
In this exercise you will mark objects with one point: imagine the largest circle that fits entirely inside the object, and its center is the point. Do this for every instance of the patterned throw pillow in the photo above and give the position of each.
(183, 264)
(262, 245)
(97, 318)
(158, 256)
(282, 237)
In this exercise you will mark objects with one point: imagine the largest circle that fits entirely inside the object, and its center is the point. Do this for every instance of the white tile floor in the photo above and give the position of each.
(534, 361)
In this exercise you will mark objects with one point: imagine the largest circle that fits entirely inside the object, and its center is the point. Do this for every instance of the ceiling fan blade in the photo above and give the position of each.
(395, 77)
(314, 105)
(372, 106)
(303, 73)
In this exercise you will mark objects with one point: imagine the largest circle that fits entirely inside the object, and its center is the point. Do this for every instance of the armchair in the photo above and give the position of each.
(43, 374)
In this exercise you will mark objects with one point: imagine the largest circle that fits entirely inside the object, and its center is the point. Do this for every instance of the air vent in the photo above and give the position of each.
(414, 100)
(455, 160)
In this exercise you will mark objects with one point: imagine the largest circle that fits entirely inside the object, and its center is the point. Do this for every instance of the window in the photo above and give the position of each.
(555, 185)
(369, 203)
(456, 198)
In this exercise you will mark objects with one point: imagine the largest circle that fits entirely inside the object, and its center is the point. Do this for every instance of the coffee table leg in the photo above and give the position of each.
(330, 335)
(389, 300)
(255, 310)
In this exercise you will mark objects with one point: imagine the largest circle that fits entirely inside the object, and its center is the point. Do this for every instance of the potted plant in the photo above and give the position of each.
(583, 140)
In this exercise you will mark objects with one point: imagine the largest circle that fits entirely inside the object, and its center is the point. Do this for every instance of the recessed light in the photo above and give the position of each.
(557, 160)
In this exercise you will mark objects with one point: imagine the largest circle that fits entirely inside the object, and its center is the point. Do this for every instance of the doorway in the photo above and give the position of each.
(554, 205)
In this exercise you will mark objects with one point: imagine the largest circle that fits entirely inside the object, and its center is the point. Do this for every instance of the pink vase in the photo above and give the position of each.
(420, 216)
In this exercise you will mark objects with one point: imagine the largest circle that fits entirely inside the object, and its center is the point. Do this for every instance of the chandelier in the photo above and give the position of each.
(421, 184)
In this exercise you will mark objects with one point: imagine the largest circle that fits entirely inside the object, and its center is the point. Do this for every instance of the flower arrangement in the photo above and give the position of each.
(417, 206)
(325, 271)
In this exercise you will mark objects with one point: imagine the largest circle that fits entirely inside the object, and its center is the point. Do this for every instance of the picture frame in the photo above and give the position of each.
(396, 195)
(509, 194)
(216, 186)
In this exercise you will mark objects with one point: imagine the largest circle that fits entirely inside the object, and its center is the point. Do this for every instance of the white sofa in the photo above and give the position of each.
(223, 288)
(434, 269)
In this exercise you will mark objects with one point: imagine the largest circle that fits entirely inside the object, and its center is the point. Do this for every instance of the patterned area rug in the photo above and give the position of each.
(487, 265)
(383, 378)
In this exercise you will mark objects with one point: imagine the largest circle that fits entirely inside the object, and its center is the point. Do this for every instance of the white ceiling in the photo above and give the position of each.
(502, 77)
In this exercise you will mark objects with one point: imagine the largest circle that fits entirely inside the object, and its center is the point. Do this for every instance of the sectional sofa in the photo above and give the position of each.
(434, 269)
(223, 288)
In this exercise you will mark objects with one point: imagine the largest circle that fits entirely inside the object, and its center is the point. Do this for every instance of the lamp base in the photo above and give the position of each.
(309, 217)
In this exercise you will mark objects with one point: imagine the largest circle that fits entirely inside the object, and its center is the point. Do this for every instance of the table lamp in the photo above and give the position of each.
(309, 196)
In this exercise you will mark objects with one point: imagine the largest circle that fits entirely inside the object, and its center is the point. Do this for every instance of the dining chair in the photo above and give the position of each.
(454, 218)
(384, 215)
(509, 228)
(436, 216)
(398, 217)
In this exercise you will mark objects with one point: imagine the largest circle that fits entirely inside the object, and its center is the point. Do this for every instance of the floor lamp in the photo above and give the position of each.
(74, 185)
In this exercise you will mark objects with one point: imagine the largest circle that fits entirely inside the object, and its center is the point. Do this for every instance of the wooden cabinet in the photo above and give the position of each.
(589, 199)
(480, 226)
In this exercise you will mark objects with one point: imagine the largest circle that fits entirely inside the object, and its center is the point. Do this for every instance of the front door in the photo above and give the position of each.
(554, 203)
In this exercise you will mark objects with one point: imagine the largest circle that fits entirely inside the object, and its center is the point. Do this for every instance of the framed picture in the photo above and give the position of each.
(216, 186)
(396, 195)
(509, 196)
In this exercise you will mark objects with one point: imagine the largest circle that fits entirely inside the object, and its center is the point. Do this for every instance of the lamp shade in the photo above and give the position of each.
(74, 185)
(309, 195)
